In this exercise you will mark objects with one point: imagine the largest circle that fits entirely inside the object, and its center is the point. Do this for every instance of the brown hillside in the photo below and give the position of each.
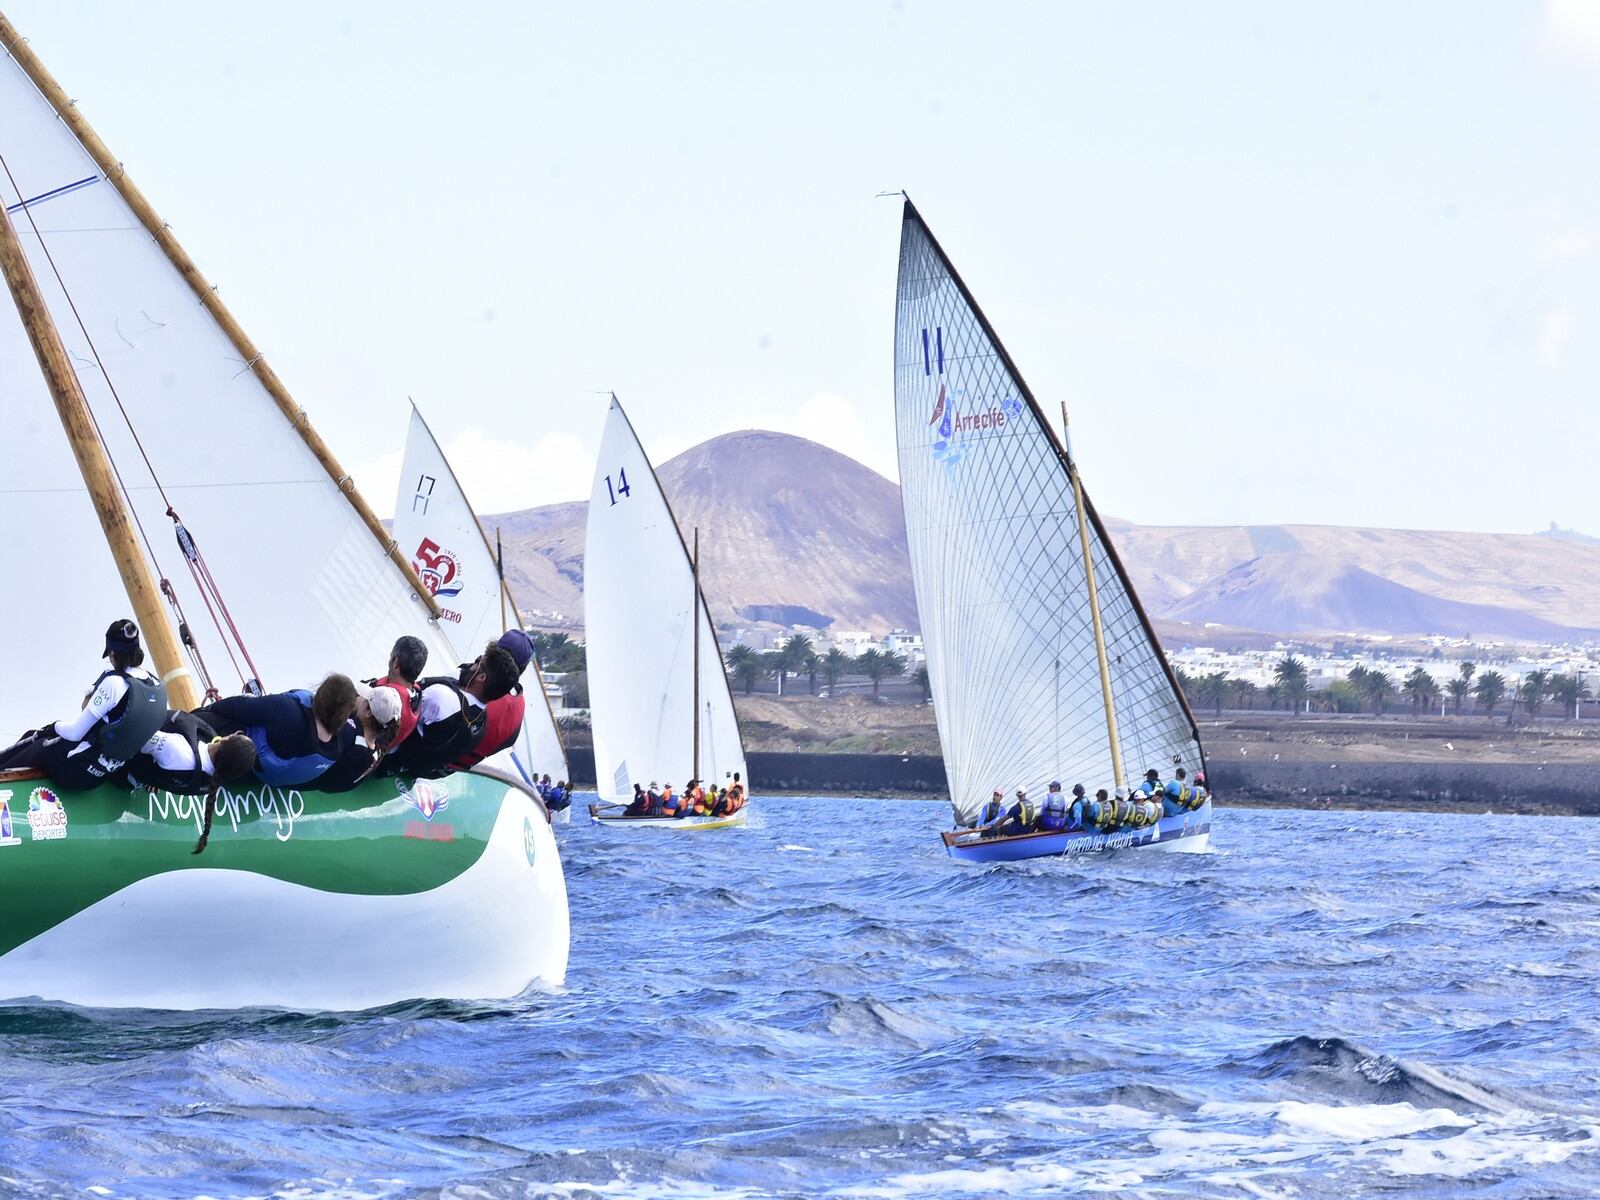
(783, 522)
(786, 522)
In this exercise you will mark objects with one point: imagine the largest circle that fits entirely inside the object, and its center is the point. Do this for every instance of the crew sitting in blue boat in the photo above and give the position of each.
(992, 811)
(126, 705)
(1151, 786)
(653, 800)
(1078, 812)
(1181, 796)
(1019, 818)
(1114, 812)
(1053, 812)
(560, 796)
(298, 735)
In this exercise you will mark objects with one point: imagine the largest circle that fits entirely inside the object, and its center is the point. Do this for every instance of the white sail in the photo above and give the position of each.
(997, 563)
(638, 600)
(434, 524)
(309, 586)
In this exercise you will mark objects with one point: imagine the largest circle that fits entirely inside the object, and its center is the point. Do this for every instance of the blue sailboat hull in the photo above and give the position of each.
(1190, 831)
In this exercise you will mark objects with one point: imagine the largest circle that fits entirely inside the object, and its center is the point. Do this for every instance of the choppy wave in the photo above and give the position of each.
(822, 1005)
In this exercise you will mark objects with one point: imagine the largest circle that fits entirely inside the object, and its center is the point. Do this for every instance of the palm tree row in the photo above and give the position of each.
(1371, 687)
(798, 657)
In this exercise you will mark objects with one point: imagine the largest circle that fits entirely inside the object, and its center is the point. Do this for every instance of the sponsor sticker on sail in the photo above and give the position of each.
(440, 572)
(47, 819)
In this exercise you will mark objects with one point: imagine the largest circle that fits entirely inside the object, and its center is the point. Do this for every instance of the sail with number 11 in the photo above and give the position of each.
(1042, 663)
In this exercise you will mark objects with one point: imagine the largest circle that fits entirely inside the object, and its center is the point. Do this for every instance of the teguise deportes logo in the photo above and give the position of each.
(438, 569)
(47, 819)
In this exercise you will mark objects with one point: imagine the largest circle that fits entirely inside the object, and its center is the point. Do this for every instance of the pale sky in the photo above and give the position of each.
(1285, 263)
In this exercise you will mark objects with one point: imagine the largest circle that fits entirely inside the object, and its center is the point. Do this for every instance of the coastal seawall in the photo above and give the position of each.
(1555, 788)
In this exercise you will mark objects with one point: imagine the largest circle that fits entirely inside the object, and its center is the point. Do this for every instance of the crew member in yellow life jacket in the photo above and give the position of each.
(1020, 817)
(1181, 796)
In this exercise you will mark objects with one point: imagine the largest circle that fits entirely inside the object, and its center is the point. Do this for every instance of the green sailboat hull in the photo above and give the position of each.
(104, 901)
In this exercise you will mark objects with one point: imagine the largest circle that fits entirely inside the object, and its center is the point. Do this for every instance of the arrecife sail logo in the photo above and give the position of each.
(952, 427)
(438, 568)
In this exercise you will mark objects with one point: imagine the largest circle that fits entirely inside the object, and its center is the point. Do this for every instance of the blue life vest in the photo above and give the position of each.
(1053, 815)
(272, 768)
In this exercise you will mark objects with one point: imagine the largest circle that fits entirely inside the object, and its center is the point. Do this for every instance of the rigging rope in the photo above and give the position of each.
(198, 570)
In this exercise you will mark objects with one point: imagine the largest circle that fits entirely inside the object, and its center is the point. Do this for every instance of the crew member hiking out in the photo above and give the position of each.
(451, 715)
(298, 735)
(187, 758)
(377, 722)
(126, 705)
(406, 661)
(503, 716)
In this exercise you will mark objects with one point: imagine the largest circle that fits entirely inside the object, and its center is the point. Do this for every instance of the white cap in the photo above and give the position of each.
(384, 702)
(1122, 793)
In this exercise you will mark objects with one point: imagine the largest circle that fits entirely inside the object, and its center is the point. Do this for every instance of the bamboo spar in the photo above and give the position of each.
(95, 467)
(15, 45)
(1094, 604)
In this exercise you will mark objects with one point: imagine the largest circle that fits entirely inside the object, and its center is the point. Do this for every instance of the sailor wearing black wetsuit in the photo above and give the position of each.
(125, 707)
(185, 757)
(298, 735)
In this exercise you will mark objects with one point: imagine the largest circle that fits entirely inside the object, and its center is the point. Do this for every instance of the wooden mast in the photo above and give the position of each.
(1094, 603)
(694, 616)
(500, 570)
(15, 45)
(95, 467)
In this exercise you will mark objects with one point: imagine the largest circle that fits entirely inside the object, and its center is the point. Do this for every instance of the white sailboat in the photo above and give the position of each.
(1042, 663)
(434, 524)
(658, 693)
(134, 399)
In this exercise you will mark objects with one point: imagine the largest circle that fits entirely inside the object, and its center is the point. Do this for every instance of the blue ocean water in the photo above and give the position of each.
(822, 1004)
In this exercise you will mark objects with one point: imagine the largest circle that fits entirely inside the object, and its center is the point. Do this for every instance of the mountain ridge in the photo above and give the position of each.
(789, 524)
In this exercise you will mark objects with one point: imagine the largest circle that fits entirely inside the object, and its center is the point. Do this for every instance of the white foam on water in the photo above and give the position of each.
(1000, 1179)
(1362, 1122)
(1469, 1153)
(799, 849)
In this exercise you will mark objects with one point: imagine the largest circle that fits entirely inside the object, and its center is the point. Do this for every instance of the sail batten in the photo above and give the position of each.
(639, 599)
(998, 564)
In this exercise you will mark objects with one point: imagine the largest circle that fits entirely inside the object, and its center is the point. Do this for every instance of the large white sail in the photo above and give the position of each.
(434, 524)
(309, 586)
(997, 563)
(639, 600)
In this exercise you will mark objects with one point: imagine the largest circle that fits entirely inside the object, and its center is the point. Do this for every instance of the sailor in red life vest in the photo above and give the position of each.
(504, 716)
(406, 661)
